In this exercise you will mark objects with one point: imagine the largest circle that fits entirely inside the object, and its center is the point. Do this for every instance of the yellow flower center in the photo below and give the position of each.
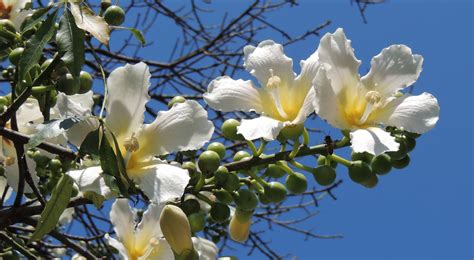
(359, 112)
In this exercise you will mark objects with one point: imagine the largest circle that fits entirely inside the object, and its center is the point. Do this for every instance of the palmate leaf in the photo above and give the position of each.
(54, 208)
(70, 40)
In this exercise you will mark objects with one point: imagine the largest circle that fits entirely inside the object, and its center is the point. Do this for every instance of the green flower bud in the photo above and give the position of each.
(46, 63)
(229, 129)
(220, 212)
(291, 132)
(239, 227)
(55, 165)
(240, 155)
(114, 15)
(217, 147)
(274, 171)
(176, 100)
(410, 143)
(262, 197)
(86, 81)
(15, 55)
(371, 182)
(41, 160)
(246, 199)
(68, 84)
(223, 196)
(176, 229)
(402, 163)
(231, 183)
(381, 164)
(296, 183)
(221, 175)
(275, 192)
(322, 160)
(359, 171)
(208, 162)
(402, 150)
(190, 206)
(7, 25)
(197, 221)
(365, 157)
(324, 175)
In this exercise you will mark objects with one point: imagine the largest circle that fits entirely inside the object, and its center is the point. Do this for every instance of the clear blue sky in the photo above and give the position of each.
(425, 210)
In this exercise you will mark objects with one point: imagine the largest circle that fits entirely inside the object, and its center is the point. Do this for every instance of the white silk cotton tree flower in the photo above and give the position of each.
(184, 127)
(282, 100)
(366, 105)
(145, 240)
(13, 11)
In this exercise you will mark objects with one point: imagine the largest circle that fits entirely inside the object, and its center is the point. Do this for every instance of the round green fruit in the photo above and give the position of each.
(402, 149)
(15, 55)
(246, 199)
(262, 197)
(223, 196)
(381, 164)
(217, 147)
(402, 163)
(197, 221)
(231, 183)
(410, 143)
(291, 132)
(240, 155)
(55, 165)
(323, 160)
(221, 175)
(7, 25)
(209, 161)
(360, 171)
(324, 175)
(190, 206)
(365, 157)
(296, 183)
(41, 160)
(229, 130)
(371, 182)
(114, 15)
(68, 84)
(275, 192)
(220, 212)
(86, 82)
(176, 100)
(274, 171)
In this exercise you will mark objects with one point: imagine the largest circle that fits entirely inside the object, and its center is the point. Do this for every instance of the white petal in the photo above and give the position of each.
(393, 69)
(3, 185)
(126, 99)
(149, 226)
(90, 179)
(122, 217)
(17, 15)
(417, 114)
(261, 127)
(79, 131)
(184, 127)
(309, 68)
(12, 172)
(307, 108)
(66, 216)
(206, 249)
(267, 56)
(117, 245)
(161, 251)
(28, 116)
(225, 94)
(326, 101)
(336, 51)
(160, 181)
(373, 140)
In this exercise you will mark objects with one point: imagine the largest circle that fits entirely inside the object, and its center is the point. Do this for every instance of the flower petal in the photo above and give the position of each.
(161, 182)
(126, 99)
(66, 216)
(336, 51)
(122, 217)
(29, 116)
(326, 100)
(17, 15)
(417, 114)
(184, 127)
(309, 68)
(90, 179)
(161, 251)
(225, 94)
(117, 245)
(12, 172)
(149, 226)
(206, 249)
(307, 108)
(261, 127)
(267, 56)
(393, 69)
(373, 140)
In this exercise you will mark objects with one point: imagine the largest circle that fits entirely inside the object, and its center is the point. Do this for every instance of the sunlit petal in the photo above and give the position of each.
(373, 140)
(261, 127)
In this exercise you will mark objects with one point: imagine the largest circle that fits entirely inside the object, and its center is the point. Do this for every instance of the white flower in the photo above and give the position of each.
(184, 127)
(12, 10)
(145, 240)
(283, 99)
(364, 105)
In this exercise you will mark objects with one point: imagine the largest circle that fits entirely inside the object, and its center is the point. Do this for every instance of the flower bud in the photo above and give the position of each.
(7, 25)
(275, 192)
(371, 182)
(274, 171)
(220, 212)
(176, 100)
(114, 15)
(15, 55)
(239, 227)
(197, 221)
(223, 196)
(221, 175)
(291, 132)
(176, 229)
(86, 81)
(190, 206)
(229, 129)
(209, 162)
(240, 155)
(246, 199)
(324, 175)
(402, 163)
(323, 160)
(296, 183)
(381, 164)
(402, 149)
(231, 183)
(217, 147)
(359, 171)
(365, 157)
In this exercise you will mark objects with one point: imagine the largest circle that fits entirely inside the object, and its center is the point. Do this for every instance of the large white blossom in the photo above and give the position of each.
(145, 240)
(184, 127)
(283, 99)
(365, 105)
(13, 11)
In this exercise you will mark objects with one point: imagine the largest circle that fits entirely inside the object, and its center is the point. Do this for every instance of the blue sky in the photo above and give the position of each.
(425, 210)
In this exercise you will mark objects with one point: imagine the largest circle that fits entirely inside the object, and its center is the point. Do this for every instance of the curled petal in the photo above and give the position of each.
(306, 109)
(417, 114)
(393, 69)
(206, 249)
(90, 179)
(122, 217)
(373, 140)
(149, 226)
(261, 127)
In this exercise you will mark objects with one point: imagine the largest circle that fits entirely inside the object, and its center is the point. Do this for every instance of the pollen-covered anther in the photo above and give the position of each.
(273, 81)
(373, 97)
(131, 143)
(9, 160)
(154, 242)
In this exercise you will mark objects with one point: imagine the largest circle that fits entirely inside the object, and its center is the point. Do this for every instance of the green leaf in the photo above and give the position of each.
(34, 47)
(91, 144)
(70, 41)
(109, 165)
(137, 33)
(54, 208)
(51, 130)
(36, 18)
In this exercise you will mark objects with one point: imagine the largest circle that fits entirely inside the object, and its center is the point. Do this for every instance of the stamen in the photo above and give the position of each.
(273, 85)
(373, 100)
(131, 143)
